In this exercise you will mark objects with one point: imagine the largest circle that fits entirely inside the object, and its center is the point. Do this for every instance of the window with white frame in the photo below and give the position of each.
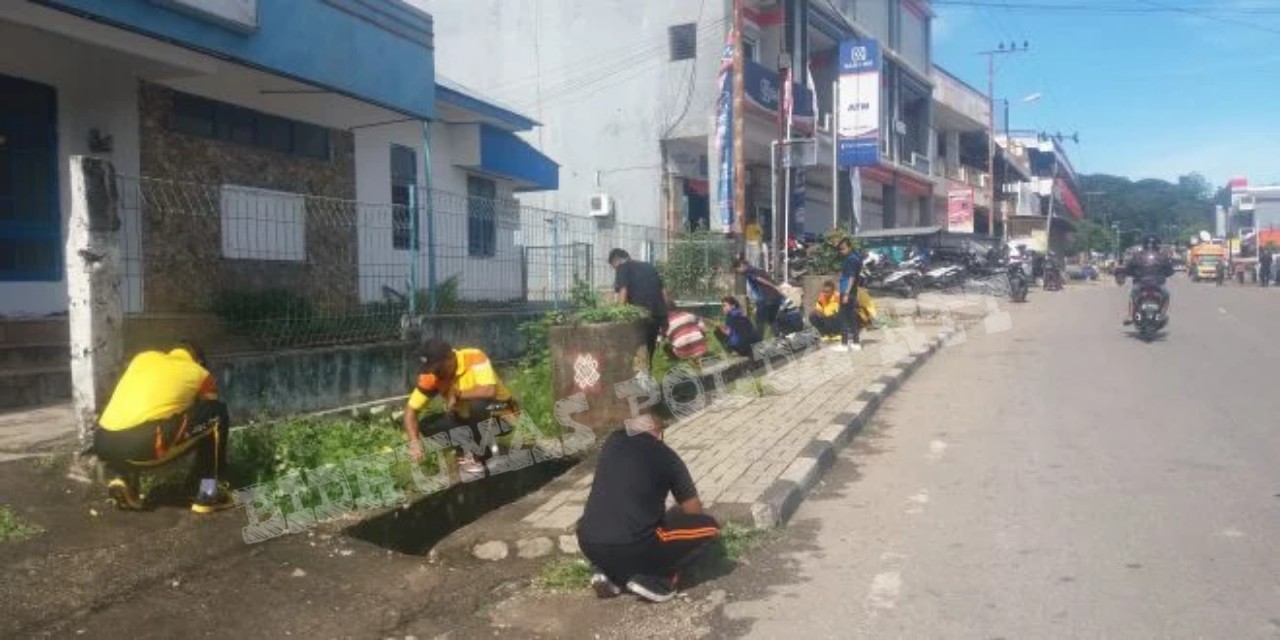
(404, 183)
(259, 224)
(482, 217)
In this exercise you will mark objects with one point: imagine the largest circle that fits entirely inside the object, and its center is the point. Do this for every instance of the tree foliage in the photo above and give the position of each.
(1170, 210)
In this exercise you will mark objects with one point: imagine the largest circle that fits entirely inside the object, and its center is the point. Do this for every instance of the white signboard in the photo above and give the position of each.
(237, 14)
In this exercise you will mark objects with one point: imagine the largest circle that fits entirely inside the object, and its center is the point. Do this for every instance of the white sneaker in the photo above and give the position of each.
(840, 348)
(470, 465)
(857, 346)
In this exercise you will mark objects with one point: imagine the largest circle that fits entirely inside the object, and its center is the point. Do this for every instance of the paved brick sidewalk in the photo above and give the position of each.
(738, 448)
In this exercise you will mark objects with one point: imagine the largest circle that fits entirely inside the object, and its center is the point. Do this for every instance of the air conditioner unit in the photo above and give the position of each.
(601, 205)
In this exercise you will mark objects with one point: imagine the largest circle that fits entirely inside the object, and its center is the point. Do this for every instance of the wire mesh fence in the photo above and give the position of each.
(284, 269)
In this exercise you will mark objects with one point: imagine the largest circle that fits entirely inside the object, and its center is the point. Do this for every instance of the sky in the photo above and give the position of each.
(1152, 95)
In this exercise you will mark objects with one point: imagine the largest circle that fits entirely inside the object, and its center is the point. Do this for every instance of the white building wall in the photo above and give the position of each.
(382, 265)
(95, 90)
(598, 75)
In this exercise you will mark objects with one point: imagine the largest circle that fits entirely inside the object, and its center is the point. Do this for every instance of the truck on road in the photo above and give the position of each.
(1203, 260)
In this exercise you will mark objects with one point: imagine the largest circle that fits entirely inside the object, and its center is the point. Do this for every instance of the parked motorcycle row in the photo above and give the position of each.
(958, 270)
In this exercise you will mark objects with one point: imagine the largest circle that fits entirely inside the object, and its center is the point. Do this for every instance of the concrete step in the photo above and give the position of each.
(17, 357)
(34, 330)
(34, 386)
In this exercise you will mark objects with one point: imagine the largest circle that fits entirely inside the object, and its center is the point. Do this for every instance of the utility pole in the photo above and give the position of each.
(739, 105)
(991, 123)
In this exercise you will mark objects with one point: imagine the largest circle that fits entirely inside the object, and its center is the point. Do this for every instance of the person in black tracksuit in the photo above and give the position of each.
(624, 531)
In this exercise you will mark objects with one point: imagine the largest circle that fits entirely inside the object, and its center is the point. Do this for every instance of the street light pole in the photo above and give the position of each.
(991, 125)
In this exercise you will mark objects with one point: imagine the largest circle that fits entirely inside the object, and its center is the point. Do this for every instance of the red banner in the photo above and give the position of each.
(960, 208)
(1069, 199)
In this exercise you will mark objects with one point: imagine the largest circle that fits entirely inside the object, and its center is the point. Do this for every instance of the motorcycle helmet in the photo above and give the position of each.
(1150, 243)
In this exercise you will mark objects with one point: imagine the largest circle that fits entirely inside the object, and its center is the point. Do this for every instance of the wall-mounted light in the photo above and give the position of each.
(100, 142)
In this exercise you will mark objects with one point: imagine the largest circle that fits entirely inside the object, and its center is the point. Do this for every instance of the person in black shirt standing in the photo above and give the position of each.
(638, 283)
(850, 270)
(624, 532)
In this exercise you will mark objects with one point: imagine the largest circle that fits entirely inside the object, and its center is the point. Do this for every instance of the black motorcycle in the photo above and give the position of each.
(1052, 278)
(1018, 285)
(1148, 314)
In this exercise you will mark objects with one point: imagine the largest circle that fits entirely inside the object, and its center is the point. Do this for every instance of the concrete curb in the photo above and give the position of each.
(781, 500)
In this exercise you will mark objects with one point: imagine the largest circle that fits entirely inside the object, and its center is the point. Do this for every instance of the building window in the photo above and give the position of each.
(258, 224)
(750, 49)
(482, 229)
(683, 41)
(215, 120)
(404, 181)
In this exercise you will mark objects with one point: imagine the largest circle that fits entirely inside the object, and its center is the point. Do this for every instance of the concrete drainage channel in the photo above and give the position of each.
(417, 528)
(776, 506)
(451, 515)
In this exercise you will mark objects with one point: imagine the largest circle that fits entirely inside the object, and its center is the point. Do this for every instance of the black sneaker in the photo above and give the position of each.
(212, 502)
(604, 587)
(652, 588)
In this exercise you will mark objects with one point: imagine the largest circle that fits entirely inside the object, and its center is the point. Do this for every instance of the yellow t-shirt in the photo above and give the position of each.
(827, 306)
(157, 385)
(474, 370)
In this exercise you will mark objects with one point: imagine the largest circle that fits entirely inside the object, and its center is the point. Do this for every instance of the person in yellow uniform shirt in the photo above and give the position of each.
(754, 236)
(165, 406)
(826, 311)
(472, 393)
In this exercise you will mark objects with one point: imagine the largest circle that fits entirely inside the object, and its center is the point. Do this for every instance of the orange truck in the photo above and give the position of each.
(1203, 260)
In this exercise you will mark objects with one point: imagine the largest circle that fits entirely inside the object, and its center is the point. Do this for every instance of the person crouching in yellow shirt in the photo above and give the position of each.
(825, 316)
(472, 392)
(165, 406)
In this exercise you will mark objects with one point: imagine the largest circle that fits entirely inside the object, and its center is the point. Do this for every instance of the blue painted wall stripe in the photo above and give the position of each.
(314, 41)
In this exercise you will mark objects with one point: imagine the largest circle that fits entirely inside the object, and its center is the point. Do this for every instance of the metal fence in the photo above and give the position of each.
(286, 269)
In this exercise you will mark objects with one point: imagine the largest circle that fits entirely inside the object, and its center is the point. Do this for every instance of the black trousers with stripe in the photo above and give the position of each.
(205, 427)
(678, 542)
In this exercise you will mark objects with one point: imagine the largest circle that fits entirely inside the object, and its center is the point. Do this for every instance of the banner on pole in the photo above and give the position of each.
(859, 103)
(960, 209)
(724, 138)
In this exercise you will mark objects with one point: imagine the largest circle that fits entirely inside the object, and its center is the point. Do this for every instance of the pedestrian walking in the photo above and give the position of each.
(1264, 267)
(638, 283)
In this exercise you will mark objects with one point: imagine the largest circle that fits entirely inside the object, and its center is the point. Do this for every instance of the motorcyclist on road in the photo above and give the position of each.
(1149, 267)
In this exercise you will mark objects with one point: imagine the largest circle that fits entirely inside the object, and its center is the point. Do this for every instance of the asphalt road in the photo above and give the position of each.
(1060, 479)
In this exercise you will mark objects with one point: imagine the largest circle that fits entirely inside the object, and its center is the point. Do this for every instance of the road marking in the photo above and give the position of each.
(918, 501)
(885, 589)
(1221, 310)
(1231, 533)
(936, 449)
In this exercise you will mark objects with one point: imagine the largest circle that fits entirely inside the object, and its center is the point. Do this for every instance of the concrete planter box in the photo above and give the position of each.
(591, 359)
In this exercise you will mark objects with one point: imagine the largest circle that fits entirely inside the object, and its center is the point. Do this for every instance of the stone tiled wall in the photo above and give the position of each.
(183, 266)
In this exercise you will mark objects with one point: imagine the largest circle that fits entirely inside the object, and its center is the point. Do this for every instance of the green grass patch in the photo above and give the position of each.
(13, 528)
(738, 540)
(564, 574)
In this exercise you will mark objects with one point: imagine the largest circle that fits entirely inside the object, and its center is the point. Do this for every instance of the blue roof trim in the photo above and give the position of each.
(513, 120)
(361, 57)
(503, 153)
